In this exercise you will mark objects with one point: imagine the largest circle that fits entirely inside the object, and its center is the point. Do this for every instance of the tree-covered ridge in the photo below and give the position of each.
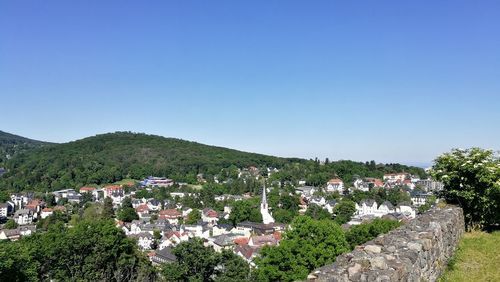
(11, 145)
(317, 174)
(110, 157)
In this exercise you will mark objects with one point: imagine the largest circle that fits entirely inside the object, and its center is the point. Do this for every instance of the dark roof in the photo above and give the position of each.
(388, 204)
(166, 254)
(369, 202)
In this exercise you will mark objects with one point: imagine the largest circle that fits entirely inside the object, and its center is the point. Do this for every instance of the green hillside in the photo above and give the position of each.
(11, 144)
(111, 157)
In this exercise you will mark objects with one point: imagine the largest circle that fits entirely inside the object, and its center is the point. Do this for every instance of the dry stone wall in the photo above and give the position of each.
(417, 251)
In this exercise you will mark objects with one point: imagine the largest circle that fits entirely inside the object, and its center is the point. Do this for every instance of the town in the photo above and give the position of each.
(160, 213)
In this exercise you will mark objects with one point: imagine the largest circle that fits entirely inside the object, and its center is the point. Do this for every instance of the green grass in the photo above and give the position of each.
(477, 258)
(126, 181)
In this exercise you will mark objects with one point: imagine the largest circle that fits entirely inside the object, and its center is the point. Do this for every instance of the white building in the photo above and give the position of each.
(23, 216)
(264, 209)
(46, 212)
(335, 185)
(4, 209)
(395, 177)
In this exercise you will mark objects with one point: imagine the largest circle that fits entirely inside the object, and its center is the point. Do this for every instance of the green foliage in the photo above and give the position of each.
(108, 158)
(4, 197)
(10, 224)
(127, 213)
(107, 209)
(343, 211)
(90, 251)
(284, 216)
(395, 195)
(428, 204)
(245, 210)
(196, 262)
(16, 263)
(317, 175)
(56, 217)
(317, 212)
(308, 244)
(12, 145)
(359, 234)
(471, 179)
(193, 217)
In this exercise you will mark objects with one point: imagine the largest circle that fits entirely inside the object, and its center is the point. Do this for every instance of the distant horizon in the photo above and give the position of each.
(391, 81)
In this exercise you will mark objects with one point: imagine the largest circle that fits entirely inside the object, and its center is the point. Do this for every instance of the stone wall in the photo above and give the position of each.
(417, 251)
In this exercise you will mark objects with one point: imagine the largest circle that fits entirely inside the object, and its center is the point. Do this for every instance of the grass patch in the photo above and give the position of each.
(476, 259)
(126, 181)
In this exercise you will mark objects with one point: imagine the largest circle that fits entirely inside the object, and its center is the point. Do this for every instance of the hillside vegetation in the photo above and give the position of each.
(11, 144)
(111, 157)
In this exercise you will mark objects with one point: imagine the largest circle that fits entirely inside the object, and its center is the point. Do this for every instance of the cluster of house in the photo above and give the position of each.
(24, 210)
(161, 223)
(245, 240)
(389, 180)
(368, 208)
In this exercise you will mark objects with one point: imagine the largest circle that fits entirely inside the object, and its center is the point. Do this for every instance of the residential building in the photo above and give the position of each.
(393, 177)
(335, 185)
(46, 212)
(23, 216)
(163, 256)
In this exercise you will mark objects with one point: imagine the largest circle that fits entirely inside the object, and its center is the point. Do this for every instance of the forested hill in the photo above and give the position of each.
(110, 157)
(11, 144)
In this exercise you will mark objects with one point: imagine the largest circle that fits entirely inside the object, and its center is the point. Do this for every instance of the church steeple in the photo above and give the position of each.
(263, 201)
(264, 209)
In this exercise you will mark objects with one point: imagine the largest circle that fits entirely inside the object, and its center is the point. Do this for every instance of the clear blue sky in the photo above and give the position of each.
(384, 80)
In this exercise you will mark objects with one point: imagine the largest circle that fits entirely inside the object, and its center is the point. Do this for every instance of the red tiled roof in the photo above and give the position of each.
(241, 241)
(87, 189)
(142, 208)
(211, 213)
(47, 210)
(170, 213)
(113, 187)
(246, 251)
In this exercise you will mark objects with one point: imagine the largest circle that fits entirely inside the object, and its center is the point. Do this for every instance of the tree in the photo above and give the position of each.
(107, 209)
(127, 213)
(308, 244)
(359, 234)
(90, 251)
(195, 262)
(397, 196)
(317, 212)
(231, 267)
(193, 217)
(245, 210)
(343, 211)
(156, 238)
(471, 179)
(4, 196)
(11, 224)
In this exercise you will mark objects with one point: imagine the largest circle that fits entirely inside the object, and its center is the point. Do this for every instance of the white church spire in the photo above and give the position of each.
(264, 208)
